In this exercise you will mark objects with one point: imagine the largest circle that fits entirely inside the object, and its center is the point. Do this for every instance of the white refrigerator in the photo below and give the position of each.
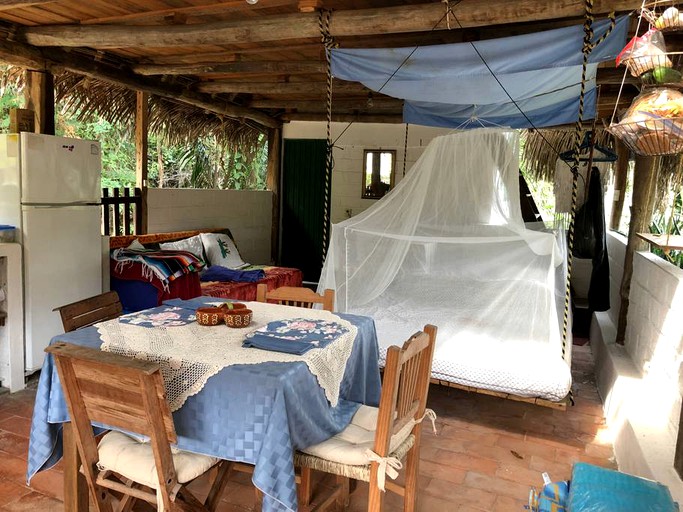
(50, 190)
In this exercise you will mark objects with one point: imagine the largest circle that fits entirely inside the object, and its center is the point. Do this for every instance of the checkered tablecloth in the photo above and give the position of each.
(257, 414)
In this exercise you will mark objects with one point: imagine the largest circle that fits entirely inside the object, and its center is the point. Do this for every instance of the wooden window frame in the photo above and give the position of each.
(364, 195)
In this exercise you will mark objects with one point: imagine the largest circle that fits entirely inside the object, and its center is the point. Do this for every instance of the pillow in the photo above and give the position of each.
(136, 246)
(192, 244)
(221, 250)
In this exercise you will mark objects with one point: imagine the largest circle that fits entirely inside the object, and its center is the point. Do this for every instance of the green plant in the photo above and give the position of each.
(670, 222)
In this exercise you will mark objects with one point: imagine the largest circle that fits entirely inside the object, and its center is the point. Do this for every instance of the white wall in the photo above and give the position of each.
(347, 176)
(641, 382)
(654, 333)
(247, 213)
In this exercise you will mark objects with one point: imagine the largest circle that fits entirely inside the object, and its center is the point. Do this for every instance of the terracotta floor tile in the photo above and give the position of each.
(33, 502)
(13, 468)
(498, 485)
(11, 491)
(505, 504)
(50, 483)
(16, 425)
(13, 444)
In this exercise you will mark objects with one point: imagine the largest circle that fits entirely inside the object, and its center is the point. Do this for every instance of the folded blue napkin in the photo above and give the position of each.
(294, 336)
(224, 274)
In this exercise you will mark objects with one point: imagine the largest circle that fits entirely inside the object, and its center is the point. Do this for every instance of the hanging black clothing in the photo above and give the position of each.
(590, 239)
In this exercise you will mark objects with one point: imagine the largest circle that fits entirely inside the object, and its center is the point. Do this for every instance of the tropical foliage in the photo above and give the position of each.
(670, 222)
(206, 162)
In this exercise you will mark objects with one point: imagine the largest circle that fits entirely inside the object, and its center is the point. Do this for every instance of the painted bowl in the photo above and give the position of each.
(209, 316)
(238, 318)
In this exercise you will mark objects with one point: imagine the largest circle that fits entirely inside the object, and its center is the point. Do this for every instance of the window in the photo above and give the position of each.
(378, 173)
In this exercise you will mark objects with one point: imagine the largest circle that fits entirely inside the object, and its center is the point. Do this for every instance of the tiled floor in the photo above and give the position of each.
(487, 454)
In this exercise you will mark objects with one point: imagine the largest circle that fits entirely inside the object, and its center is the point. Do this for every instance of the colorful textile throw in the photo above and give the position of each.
(224, 274)
(165, 265)
(295, 336)
(169, 316)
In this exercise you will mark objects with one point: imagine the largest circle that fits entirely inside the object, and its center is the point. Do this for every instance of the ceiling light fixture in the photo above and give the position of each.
(252, 2)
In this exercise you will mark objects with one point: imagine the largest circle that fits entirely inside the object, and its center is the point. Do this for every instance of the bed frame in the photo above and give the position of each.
(561, 405)
(117, 242)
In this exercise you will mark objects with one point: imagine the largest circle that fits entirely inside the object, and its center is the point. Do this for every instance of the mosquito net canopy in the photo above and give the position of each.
(448, 246)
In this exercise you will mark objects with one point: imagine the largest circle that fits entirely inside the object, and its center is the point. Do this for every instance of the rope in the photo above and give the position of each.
(588, 46)
(405, 151)
(329, 43)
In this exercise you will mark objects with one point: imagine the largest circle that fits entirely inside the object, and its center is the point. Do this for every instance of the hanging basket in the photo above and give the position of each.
(664, 69)
(664, 15)
(652, 137)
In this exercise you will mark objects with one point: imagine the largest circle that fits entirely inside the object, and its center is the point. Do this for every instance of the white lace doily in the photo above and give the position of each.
(189, 354)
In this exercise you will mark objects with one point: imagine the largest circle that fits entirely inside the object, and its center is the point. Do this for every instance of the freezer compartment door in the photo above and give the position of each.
(57, 170)
(62, 264)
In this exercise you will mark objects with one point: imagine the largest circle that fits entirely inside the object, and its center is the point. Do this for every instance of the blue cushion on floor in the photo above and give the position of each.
(595, 489)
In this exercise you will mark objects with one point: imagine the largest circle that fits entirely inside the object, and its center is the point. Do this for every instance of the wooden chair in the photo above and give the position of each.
(295, 296)
(87, 312)
(397, 430)
(128, 394)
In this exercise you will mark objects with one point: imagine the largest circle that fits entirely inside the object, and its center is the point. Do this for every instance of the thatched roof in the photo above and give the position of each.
(174, 121)
(541, 150)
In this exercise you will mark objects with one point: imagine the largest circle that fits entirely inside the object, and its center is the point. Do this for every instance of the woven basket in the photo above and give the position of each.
(663, 15)
(653, 137)
(238, 318)
(661, 70)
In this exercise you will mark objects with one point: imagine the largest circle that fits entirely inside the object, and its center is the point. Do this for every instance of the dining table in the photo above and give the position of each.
(258, 413)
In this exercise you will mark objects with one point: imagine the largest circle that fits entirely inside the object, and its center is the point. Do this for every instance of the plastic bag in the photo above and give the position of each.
(645, 53)
(553, 496)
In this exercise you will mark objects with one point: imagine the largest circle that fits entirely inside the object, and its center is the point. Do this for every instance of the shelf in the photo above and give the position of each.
(665, 242)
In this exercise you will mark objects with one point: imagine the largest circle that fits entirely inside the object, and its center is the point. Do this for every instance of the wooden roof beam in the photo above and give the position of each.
(294, 88)
(289, 67)
(408, 18)
(34, 58)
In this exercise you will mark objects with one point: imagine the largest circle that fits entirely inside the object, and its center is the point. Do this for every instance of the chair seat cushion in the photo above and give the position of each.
(135, 460)
(349, 446)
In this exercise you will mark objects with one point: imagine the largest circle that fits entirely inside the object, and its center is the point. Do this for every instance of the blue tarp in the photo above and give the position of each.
(449, 85)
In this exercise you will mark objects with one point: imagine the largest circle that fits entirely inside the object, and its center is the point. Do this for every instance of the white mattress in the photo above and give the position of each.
(483, 351)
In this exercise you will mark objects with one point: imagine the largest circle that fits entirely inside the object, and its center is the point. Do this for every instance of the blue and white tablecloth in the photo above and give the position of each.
(258, 414)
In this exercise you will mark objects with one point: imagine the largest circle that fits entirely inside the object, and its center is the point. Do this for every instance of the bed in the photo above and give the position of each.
(449, 247)
(137, 292)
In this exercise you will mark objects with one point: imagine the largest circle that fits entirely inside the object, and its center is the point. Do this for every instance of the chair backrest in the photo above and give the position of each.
(120, 392)
(405, 385)
(295, 296)
(89, 311)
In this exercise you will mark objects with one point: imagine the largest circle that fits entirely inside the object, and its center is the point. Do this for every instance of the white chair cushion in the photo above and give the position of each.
(349, 446)
(135, 460)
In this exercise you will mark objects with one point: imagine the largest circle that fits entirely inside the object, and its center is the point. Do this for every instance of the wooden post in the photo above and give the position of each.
(273, 184)
(39, 94)
(620, 175)
(642, 206)
(141, 133)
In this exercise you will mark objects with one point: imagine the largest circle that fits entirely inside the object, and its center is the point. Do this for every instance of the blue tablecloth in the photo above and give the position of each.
(257, 414)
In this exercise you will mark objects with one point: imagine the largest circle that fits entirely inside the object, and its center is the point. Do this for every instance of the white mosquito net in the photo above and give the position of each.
(448, 246)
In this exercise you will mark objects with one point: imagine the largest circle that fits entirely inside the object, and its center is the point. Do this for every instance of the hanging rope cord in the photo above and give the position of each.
(328, 43)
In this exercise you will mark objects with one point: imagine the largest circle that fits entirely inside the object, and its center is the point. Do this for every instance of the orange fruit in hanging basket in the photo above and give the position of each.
(238, 318)
(209, 316)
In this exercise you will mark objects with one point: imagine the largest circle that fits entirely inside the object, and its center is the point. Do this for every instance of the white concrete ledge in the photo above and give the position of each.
(643, 442)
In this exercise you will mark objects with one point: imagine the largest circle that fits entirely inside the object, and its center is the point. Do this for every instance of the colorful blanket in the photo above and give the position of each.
(165, 265)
